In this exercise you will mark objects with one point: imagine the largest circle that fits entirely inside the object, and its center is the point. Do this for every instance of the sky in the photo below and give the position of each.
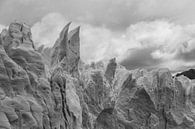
(139, 33)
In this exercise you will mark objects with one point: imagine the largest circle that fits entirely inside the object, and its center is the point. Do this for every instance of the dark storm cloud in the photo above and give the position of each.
(186, 56)
(137, 58)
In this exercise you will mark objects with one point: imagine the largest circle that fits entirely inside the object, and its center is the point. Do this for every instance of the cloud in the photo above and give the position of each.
(173, 45)
(186, 56)
(47, 30)
(140, 58)
(116, 15)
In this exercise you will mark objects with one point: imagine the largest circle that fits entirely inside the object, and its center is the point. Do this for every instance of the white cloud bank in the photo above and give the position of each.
(2, 27)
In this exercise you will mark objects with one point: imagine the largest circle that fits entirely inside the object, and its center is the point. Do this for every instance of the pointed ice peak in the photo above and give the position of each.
(63, 36)
(65, 30)
(74, 32)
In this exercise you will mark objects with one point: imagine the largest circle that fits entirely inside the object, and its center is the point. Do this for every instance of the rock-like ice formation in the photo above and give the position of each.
(51, 88)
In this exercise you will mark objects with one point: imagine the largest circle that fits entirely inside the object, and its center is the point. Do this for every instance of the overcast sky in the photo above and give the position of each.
(140, 33)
